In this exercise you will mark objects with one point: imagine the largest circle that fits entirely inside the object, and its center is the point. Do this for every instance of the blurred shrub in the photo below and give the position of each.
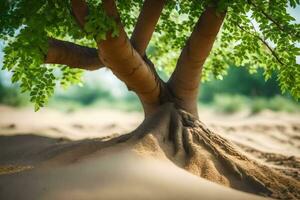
(277, 103)
(242, 90)
(258, 104)
(122, 105)
(94, 96)
(10, 95)
(85, 95)
(280, 103)
(240, 81)
(229, 104)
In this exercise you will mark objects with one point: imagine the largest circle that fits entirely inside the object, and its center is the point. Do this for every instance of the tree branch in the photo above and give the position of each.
(119, 54)
(274, 54)
(80, 11)
(126, 63)
(184, 82)
(146, 23)
(73, 55)
(270, 18)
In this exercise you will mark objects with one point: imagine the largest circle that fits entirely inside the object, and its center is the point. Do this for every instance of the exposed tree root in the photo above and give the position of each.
(191, 145)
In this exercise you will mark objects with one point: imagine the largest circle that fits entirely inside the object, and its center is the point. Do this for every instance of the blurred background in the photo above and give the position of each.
(238, 91)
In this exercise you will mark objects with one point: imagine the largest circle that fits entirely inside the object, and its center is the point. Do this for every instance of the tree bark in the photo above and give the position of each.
(80, 10)
(184, 82)
(126, 63)
(146, 23)
(72, 55)
(118, 54)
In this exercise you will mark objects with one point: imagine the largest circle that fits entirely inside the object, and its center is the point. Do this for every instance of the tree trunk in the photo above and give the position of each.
(191, 145)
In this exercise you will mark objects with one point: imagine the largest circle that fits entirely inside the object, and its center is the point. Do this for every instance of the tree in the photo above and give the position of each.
(254, 34)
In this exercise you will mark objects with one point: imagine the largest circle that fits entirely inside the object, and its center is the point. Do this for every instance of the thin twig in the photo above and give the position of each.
(264, 42)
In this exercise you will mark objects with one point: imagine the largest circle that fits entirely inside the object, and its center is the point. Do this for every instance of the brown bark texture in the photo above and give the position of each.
(72, 55)
(127, 60)
(184, 82)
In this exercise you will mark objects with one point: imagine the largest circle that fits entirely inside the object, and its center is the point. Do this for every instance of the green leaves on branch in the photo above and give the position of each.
(70, 76)
(174, 27)
(129, 11)
(294, 3)
(255, 34)
(24, 29)
(24, 57)
(99, 24)
(262, 35)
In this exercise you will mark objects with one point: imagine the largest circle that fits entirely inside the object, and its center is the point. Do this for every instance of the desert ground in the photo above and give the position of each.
(56, 155)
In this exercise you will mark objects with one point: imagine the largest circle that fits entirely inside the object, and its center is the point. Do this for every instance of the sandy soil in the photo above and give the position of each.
(28, 171)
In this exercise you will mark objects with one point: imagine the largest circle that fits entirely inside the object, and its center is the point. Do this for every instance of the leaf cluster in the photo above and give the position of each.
(255, 34)
(25, 27)
(98, 23)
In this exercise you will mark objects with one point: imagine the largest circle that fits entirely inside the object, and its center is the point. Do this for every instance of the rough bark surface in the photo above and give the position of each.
(72, 55)
(127, 64)
(185, 80)
(191, 145)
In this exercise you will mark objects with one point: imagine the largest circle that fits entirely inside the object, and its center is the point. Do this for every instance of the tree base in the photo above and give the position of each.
(178, 136)
(191, 145)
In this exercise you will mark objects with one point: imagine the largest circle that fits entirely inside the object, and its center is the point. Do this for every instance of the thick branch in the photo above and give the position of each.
(80, 11)
(73, 55)
(184, 82)
(146, 23)
(120, 56)
(126, 63)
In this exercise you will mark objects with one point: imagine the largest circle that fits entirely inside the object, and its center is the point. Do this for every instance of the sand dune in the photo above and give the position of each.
(117, 175)
(45, 155)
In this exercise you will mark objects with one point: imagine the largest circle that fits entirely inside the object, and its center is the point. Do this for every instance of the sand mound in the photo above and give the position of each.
(113, 173)
(36, 166)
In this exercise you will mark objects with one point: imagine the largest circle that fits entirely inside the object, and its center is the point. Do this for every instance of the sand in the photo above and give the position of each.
(39, 157)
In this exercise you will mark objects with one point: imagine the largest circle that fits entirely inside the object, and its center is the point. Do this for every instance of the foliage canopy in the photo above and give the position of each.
(255, 34)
